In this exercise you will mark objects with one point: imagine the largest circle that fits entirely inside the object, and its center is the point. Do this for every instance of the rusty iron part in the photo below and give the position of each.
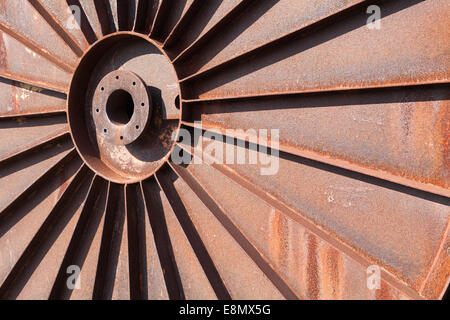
(94, 92)
(121, 107)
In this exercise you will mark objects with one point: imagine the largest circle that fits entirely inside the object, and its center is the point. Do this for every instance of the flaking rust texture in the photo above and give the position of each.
(98, 100)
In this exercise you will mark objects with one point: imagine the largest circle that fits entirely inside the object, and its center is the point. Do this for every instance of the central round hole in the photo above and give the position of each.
(120, 107)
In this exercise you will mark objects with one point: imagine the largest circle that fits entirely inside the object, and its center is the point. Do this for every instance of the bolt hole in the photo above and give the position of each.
(137, 127)
(134, 83)
(177, 102)
(120, 107)
(121, 137)
(117, 77)
(142, 104)
(105, 131)
(102, 88)
(98, 110)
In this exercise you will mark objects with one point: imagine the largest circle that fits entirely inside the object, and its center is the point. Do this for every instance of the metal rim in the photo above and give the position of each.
(91, 59)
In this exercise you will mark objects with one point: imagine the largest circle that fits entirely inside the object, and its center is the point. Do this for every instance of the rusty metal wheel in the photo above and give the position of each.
(93, 94)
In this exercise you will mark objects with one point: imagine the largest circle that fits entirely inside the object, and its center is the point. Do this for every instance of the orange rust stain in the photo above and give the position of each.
(278, 239)
(330, 273)
(445, 143)
(3, 53)
(313, 289)
(384, 293)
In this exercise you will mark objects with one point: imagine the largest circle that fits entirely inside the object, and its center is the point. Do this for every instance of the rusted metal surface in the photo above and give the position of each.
(94, 94)
(121, 107)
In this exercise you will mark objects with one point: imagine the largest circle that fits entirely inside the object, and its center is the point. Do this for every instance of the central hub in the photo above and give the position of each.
(122, 107)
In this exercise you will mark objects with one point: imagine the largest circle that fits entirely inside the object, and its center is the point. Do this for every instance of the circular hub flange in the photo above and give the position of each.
(121, 107)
